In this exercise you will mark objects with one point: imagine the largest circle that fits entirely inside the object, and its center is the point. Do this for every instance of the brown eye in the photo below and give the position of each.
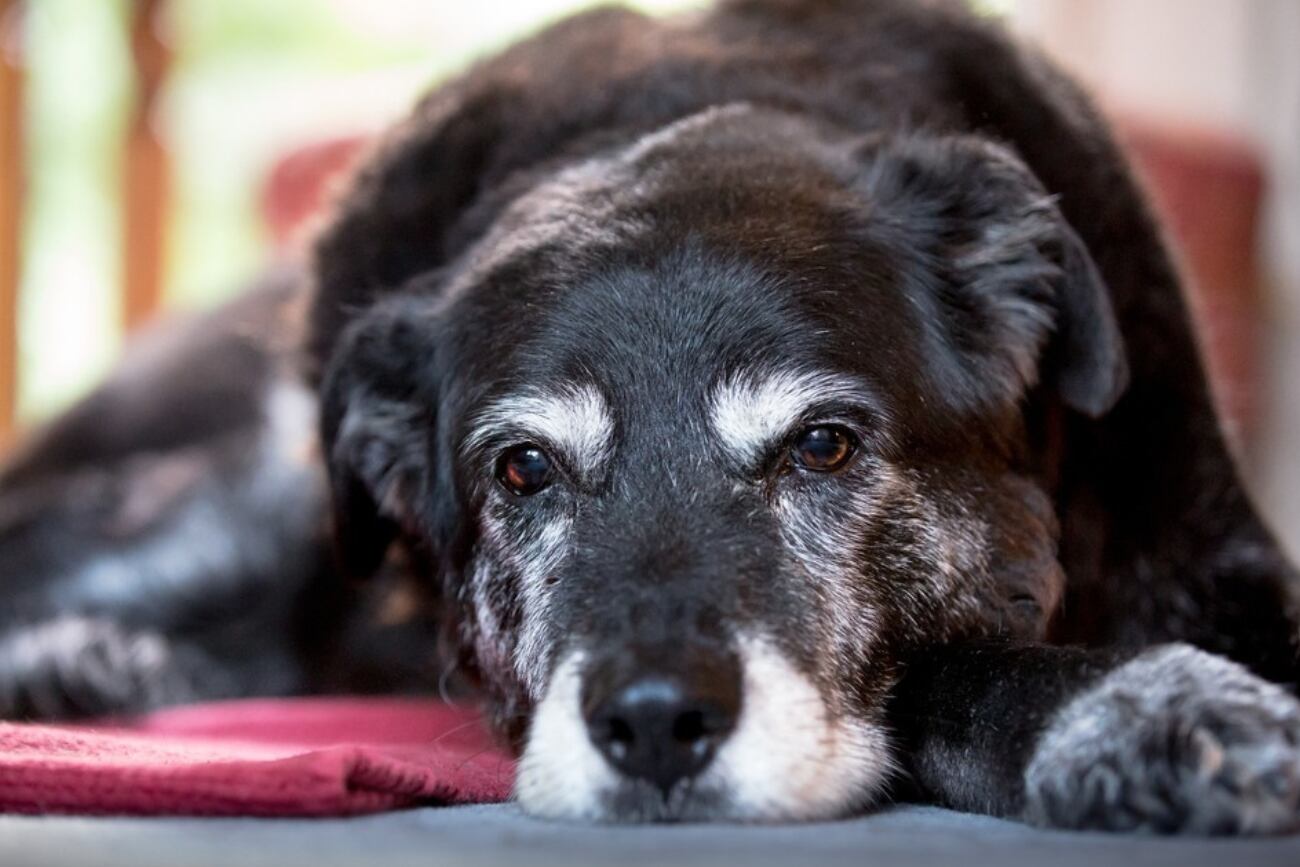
(524, 470)
(823, 448)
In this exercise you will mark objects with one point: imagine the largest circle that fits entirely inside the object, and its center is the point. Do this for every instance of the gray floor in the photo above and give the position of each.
(500, 835)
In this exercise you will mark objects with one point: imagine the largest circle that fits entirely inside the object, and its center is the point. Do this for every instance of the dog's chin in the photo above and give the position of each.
(789, 758)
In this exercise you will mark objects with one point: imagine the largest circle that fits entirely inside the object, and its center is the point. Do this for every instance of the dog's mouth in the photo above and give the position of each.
(749, 738)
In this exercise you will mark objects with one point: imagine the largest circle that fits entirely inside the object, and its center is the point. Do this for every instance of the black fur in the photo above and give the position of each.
(892, 190)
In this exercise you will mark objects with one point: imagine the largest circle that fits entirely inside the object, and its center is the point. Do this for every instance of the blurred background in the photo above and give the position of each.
(154, 154)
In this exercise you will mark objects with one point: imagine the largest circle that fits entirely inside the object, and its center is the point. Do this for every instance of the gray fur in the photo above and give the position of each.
(1175, 740)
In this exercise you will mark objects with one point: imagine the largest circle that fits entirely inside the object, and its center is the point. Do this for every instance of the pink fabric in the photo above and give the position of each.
(299, 757)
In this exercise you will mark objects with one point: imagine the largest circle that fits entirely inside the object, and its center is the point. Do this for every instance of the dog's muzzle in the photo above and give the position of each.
(659, 714)
(694, 731)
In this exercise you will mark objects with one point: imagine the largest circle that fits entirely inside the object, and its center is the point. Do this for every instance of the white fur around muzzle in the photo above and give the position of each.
(789, 758)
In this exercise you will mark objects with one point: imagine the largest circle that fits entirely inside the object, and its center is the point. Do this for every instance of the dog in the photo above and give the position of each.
(766, 411)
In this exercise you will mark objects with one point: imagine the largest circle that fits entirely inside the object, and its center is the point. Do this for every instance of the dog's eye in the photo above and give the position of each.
(823, 448)
(524, 470)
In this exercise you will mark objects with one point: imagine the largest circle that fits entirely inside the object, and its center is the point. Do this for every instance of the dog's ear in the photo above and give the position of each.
(377, 417)
(1018, 295)
(1090, 365)
(390, 221)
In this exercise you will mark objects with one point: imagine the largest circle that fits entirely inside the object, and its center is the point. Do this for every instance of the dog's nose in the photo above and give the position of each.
(664, 728)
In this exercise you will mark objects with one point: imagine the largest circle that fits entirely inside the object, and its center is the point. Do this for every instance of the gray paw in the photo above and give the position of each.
(79, 666)
(1175, 741)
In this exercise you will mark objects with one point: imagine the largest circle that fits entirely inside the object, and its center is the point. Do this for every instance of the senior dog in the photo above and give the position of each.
(766, 411)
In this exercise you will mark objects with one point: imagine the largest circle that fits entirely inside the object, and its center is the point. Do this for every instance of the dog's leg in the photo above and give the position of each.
(1170, 739)
(73, 666)
(166, 538)
(159, 579)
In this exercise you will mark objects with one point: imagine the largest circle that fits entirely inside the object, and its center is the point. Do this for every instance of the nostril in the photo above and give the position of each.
(698, 733)
(656, 730)
(689, 728)
(703, 723)
(618, 738)
(661, 723)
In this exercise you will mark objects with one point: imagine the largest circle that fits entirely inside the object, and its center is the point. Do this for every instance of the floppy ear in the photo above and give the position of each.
(1017, 293)
(391, 220)
(1090, 366)
(376, 430)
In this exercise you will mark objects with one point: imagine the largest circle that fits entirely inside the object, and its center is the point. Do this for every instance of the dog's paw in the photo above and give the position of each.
(78, 666)
(1174, 741)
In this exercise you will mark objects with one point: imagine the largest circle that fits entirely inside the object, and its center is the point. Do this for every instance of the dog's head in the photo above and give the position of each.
(705, 434)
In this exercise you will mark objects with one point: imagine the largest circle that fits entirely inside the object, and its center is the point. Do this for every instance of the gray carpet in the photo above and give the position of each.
(500, 835)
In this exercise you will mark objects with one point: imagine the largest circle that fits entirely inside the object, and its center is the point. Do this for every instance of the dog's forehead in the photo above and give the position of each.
(688, 348)
(659, 337)
(682, 297)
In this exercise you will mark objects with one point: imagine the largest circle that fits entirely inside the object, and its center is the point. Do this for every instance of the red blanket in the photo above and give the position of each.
(300, 757)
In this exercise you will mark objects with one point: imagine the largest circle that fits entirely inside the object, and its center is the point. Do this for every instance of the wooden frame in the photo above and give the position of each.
(145, 192)
(146, 172)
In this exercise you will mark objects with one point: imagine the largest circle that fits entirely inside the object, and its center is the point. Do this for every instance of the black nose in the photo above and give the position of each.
(663, 727)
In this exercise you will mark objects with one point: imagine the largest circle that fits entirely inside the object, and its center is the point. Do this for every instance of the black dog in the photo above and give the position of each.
(754, 405)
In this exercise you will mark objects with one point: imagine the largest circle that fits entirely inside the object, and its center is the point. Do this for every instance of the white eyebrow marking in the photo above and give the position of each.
(573, 418)
(751, 411)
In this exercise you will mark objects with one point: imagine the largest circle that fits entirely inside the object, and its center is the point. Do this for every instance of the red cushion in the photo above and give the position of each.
(295, 757)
